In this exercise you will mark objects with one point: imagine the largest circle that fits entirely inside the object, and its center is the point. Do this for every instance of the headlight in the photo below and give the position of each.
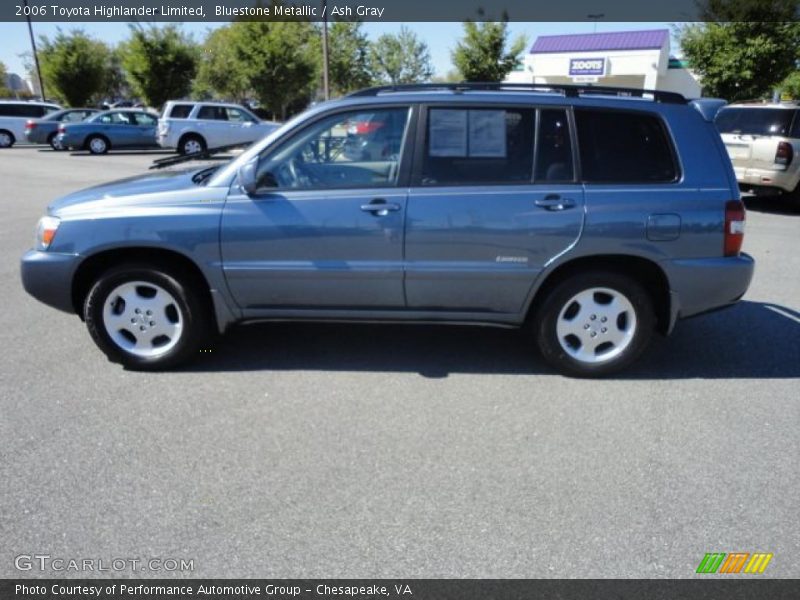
(46, 231)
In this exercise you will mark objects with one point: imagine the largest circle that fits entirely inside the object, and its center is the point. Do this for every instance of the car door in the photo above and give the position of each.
(324, 230)
(492, 202)
(212, 123)
(145, 128)
(241, 126)
(119, 127)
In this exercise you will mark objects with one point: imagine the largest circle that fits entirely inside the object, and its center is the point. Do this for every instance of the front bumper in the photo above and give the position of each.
(703, 284)
(47, 276)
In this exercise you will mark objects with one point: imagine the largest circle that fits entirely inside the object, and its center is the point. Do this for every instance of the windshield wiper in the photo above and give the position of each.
(207, 153)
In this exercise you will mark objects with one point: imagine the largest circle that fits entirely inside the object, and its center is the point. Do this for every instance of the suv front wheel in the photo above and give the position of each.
(145, 318)
(594, 323)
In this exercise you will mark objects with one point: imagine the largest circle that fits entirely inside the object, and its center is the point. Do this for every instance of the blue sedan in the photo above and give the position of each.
(110, 129)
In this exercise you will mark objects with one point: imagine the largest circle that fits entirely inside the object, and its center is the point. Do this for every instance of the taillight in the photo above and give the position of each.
(62, 128)
(30, 125)
(784, 154)
(734, 227)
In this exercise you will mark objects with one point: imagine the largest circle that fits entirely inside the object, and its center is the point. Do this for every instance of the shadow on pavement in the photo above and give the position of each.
(143, 152)
(750, 340)
(775, 205)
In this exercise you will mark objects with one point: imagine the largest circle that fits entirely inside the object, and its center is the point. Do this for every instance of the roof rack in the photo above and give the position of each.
(569, 91)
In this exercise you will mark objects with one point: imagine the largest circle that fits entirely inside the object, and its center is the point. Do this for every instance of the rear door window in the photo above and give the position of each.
(755, 121)
(9, 110)
(553, 148)
(478, 146)
(624, 147)
(213, 113)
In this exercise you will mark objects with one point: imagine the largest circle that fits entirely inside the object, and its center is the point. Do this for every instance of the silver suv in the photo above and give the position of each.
(591, 217)
(196, 126)
(763, 142)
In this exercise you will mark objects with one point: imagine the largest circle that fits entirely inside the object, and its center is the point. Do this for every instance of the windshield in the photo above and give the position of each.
(755, 121)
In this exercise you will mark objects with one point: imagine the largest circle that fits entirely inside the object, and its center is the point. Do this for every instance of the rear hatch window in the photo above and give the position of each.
(755, 121)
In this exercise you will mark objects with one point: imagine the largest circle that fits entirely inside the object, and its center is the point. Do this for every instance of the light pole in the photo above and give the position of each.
(325, 84)
(595, 17)
(33, 46)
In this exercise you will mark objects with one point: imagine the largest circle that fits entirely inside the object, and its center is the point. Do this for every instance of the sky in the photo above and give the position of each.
(440, 37)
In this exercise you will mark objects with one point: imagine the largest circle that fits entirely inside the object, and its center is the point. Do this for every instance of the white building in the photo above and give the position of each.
(633, 59)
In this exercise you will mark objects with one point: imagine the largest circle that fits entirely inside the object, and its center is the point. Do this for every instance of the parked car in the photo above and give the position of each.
(13, 116)
(763, 142)
(195, 126)
(110, 129)
(45, 129)
(592, 220)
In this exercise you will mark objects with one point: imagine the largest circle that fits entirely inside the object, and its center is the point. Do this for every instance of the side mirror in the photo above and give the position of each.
(247, 178)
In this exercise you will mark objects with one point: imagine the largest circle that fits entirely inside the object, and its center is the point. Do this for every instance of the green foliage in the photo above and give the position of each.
(739, 60)
(348, 58)
(481, 55)
(791, 85)
(159, 63)
(220, 69)
(401, 58)
(4, 90)
(277, 62)
(74, 66)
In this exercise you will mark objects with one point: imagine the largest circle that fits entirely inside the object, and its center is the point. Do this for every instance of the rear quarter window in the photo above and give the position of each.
(624, 147)
(180, 111)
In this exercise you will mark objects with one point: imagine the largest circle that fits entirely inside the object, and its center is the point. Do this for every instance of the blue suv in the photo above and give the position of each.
(591, 216)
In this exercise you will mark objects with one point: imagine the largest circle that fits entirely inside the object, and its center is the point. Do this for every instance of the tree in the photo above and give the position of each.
(791, 85)
(481, 55)
(220, 69)
(4, 89)
(746, 48)
(278, 62)
(348, 58)
(74, 66)
(400, 58)
(159, 63)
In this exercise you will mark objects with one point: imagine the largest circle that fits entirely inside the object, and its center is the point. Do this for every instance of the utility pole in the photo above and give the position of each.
(33, 46)
(325, 82)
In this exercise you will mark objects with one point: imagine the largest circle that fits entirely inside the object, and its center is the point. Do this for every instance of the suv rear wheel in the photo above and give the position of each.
(146, 318)
(191, 144)
(594, 323)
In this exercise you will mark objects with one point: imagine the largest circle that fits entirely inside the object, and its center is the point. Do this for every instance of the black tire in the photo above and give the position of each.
(610, 358)
(191, 138)
(193, 314)
(92, 144)
(51, 139)
(7, 138)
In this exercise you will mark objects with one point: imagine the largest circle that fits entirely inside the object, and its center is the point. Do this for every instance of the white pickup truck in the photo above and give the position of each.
(195, 126)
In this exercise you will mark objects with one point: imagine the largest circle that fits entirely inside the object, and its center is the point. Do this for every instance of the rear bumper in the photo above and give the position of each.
(785, 181)
(47, 276)
(704, 284)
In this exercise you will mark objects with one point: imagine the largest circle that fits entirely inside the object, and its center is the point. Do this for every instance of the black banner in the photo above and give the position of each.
(76, 11)
(740, 588)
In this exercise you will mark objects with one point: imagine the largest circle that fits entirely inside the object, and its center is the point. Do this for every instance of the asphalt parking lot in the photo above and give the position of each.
(397, 451)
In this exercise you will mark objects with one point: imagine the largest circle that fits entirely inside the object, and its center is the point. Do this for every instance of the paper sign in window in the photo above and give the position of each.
(487, 133)
(448, 133)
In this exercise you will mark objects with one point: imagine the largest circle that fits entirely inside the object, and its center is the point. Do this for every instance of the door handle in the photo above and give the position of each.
(554, 202)
(379, 207)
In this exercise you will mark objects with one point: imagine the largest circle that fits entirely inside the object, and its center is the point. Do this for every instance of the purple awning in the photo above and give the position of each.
(588, 42)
